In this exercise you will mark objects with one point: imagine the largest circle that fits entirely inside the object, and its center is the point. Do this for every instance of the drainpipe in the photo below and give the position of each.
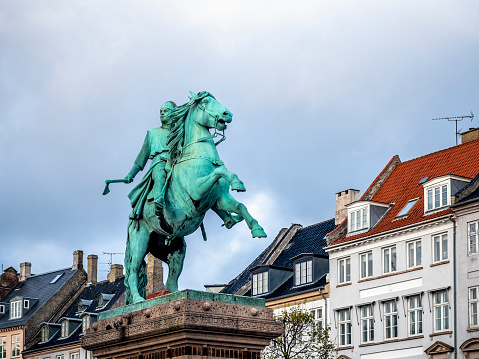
(325, 306)
(454, 283)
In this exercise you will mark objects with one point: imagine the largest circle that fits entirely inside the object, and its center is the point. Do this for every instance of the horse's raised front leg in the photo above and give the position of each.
(175, 259)
(228, 219)
(228, 203)
(138, 244)
(204, 184)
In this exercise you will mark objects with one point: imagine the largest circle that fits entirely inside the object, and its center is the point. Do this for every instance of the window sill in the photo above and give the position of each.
(390, 274)
(449, 332)
(392, 341)
(472, 329)
(345, 348)
(343, 284)
(440, 263)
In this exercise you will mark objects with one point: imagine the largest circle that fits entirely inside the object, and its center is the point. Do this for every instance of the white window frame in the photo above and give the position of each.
(436, 197)
(64, 328)
(303, 272)
(358, 219)
(260, 283)
(318, 315)
(443, 253)
(344, 270)
(367, 324)
(3, 347)
(60, 356)
(414, 246)
(441, 311)
(75, 355)
(2, 309)
(15, 345)
(473, 238)
(473, 307)
(366, 270)
(16, 309)
(390, 263)
(414, 315)
(26, 304)
(344, 324)
(390, 320)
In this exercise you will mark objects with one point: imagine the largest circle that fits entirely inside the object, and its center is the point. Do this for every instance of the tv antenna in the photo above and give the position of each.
(455, 119)
(111, 254)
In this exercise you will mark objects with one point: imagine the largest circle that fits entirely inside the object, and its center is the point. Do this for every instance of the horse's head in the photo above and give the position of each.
(215, 115)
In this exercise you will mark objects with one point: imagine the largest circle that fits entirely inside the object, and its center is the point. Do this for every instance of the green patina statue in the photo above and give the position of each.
(186, 178)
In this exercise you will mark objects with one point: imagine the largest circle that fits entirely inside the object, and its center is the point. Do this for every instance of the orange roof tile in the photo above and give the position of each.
(402, 185)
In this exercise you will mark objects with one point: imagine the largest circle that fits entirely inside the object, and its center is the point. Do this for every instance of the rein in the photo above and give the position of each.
(216, 134)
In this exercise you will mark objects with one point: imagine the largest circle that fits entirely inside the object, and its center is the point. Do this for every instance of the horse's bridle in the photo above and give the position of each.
(216, 134)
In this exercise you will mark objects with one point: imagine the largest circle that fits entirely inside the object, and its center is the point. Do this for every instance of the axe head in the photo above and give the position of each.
(107, 189)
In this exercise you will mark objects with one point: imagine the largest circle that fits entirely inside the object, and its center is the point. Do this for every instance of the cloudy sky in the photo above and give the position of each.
(323, 94)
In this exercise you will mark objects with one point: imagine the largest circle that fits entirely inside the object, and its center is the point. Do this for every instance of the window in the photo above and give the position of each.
(86, 322)
(358, 219)
(405, 211)
(344, 270)
(441, 311)
(64, 327)
(389, 260)
(45, 333)
(344, 327)
(318, 316)
(15, 345)
(74, 355)
(60, 356)
(473, 238)
(440, 247)
(390, 320)
(3, 347)
(54, 280)
(414, 254)
(16, 309)
(260, 283)
(473, 300)
(414, 315)
(2, 309)
(436, 197)
(303, 272)
(366, 260)
(367, 324)
(26, 303)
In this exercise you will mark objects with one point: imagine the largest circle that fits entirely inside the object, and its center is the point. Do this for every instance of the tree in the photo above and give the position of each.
(302, 338)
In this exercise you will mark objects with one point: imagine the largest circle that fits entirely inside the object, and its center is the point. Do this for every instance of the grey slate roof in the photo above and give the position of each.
(37, 287)
(309, 239)
(91, 292)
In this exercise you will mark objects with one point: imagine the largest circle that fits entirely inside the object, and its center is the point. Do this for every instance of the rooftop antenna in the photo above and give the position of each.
(455, 119)
(111, 254)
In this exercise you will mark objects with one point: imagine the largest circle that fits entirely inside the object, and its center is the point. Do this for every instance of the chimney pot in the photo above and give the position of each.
(116, 271)
(92, 268)
(77, 260)
(25, 270)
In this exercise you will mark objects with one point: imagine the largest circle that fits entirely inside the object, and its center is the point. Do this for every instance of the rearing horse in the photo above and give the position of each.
(198, 181)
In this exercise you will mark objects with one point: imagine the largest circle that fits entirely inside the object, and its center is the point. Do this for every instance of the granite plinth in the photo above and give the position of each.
(184, 325)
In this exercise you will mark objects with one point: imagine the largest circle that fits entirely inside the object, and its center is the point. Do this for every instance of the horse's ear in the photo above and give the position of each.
(192, 94)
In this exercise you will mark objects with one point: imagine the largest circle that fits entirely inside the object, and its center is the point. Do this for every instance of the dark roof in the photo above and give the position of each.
(39, 289)
(91, 292)
(309, 239)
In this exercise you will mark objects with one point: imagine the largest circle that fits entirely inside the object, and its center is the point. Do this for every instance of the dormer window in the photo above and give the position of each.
(303, 272)
(364, 215)
(358, 219)
(16, 309)
(103, 299)
(65, 328)
(86, 321)
(82, 304)
(437, 197)
(45, 333)
(438, 190)
(260, 283)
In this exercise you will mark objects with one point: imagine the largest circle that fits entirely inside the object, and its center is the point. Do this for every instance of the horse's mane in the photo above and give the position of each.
(176, 137)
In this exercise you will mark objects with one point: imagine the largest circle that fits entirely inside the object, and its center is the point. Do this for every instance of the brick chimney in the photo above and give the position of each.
(25, 270)
(92, 268)
(154, 274)
(77, 260)
(471, 135)
(344, 198)
(116, 271)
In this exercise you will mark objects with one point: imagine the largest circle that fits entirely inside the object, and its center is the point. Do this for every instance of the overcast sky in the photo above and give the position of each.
(323, 94)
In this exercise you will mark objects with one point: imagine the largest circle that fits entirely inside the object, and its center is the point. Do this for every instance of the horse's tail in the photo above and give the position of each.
(142, 279)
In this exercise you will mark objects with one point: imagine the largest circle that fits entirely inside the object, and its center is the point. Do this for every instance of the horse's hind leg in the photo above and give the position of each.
(227, 202)
(138, 247)
(175, 259)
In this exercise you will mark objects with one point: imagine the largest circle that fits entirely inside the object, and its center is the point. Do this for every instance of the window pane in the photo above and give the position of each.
(418, 253)
(410, 250)
(472, 227)
(265, 282)
(472, 244)
(309, 271)
(437, 250)
(353, 221)
(358, 219)
(429, 199)
(348, 270)
(386, 260)
(393, 259)
(341, 271)
(444, 247)
(436, 197)
(370, 264)
(296, 274)
(363, 266)
(444, 195)
(365, 218)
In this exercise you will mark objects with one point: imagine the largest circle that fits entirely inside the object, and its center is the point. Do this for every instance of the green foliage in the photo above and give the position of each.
(301, 338)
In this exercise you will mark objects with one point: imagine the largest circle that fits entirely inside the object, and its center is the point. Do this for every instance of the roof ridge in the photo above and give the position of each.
(439, 151)
(53, 271)
(316, 224)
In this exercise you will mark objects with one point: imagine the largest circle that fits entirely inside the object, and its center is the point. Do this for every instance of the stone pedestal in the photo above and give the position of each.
(184, 325)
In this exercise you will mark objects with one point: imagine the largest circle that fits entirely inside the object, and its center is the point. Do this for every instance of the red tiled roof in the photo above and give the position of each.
(402, 185)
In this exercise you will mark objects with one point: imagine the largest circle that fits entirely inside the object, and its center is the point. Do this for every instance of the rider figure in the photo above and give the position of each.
(154, 148)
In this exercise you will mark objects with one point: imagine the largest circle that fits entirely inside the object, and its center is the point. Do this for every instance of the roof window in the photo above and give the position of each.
(405, 211)
(54, 280)
(423, 180)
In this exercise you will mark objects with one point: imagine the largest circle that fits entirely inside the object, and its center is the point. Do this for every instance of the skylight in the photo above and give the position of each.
(54, 280)
(423, 180)
(408, 207)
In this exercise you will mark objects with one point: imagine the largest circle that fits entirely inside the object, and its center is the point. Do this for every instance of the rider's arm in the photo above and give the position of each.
(140, 161)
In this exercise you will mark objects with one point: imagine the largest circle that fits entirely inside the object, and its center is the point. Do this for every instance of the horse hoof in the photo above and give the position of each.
(258, 232)
(238, 186)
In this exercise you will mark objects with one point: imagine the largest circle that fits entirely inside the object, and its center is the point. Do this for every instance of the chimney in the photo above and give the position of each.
(25, 270)
(116, 271)
(344, 198)
(77, 260)
(154, 274)
(92, 268)
(471, 135)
